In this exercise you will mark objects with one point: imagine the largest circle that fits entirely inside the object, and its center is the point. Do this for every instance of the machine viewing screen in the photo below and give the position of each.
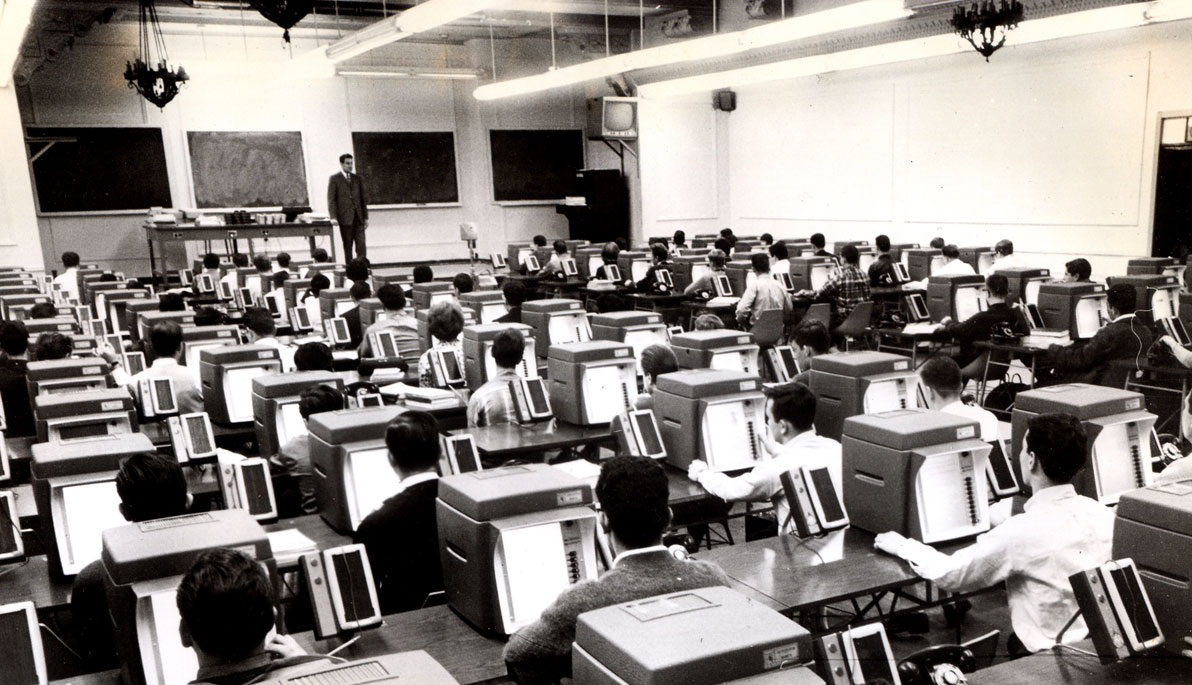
(352, 582)
(535, 568)
(289, 423)
(87, 511)
(369, 480)
(166, 661)
(82, 431)
(238, 390)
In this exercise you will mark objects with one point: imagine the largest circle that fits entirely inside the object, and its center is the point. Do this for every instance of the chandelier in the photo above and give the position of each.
(284, 13)
(157, 84)
(989, 21)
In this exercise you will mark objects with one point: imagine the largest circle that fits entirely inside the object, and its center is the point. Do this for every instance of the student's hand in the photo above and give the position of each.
(945, 321)
(1169, 341)
(770, 445)
(695, 468)
(889, 542)
(283, 647)
(109, 353)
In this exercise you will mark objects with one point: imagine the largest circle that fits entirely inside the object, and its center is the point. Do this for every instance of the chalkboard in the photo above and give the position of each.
(535, 165)
(247, 168)
(99, 169)
(407, 167)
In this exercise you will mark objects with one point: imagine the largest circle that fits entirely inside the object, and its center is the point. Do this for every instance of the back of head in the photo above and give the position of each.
(320, 255)
(951, 251)
(209, 316)
(283, 260)
(818, 240)
(319, 283)
(997, 285)
(413, 441)
(633, 492)
(166, 339)
(171, 302)
(259, 321)
(70, 259)
(766, 239)
(43, 310)
(813, 334)
(151, 487)
(508, 348)
(1059, 444)
(1080, 268)
(463, 283)
(313, 356)
(107, 277)
(560, 247)
(445, 320)
(659, 252)
(779, 251)
(723, 244)
(279, 279)
(14, 337)
(942, 374)
(1123, 298)
(261, 263)
(850, 254)
(717, 258)
(608, 253)
(239, 260)
(539, 240)
(794, 403)
(423, 274)
(727, 233)
(708, 322)
(356, 270)
(319, 399)
(53, 346)
(210, 261)
(937, 243)
(392, 297)
(514, 292)
(679, 238)
(226, 603)
(360, 290)
(761, 263)
(622, 242)
(1004, 247)
(882, 243)
(657, 360)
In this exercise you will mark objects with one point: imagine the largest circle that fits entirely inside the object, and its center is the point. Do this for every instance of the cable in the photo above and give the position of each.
(60, 640)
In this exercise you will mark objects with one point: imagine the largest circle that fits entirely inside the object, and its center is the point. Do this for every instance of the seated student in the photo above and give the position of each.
(708, 322)
(423, 274)
(357, 271)
(515, 296)
(68, 280)
(767, 240)
(211, 266)
(937, 243)
(811, 340)
(397, 319)
(539, 241)
(704, 284)
(608, 255)
(953, 264)
(661, 261)
(881, 271)
(43, 310)
(262, 330)
(1058, 534)
(321, 261)
(14, 379)
(290, 467)
(942, 385)
(1004, 257)
(314, 356)
(209, 316)
(655, 360)
(847, 286)
(278, 282)
(232, 277)
(727, 234)
(283, 261)
(632, 492)
(445, 321)
(50, 346)
(1077, 271)
(818, 241)
(259, 282)
(779, 258)
(227, 607)
(1122, 338)
(492, 403)
(310, 299)
(402, 537)
(980, 326)
(360, 290)
(723, 244)
(791, 442)
(1181, 353)
(165, 350)
(1180, 469)
(763, 294)
(150, 487)
(554, 267)
(463, 283)
(678, 242)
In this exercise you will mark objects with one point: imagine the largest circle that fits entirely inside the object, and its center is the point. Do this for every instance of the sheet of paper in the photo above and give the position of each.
(290, 540)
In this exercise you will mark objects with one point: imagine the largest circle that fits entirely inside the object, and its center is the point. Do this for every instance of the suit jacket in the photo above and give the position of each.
(1125, 338)
(402, 539)
(14, 391)
(978, 328)
(355, 330)
(346, 201)
(881, 272)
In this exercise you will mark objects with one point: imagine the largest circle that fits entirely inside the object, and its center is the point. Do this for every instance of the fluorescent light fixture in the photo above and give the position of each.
(419, 18)
(1050, 28)
(14, 19)
(796, 28)
(445, 74)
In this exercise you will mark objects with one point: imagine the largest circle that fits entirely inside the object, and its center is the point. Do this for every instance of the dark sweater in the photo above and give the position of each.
(979, 327)
(402, 539)
(1090, 363)
(14, 391)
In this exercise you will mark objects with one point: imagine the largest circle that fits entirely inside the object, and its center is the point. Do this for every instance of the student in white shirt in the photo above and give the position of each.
(1058, 534)
(68, 280)
(262, 331)
(554, 267)
(779, 258)
(1004, 257)
(258, 283)
(791, 442)
(165, 345)
(953, 265)
(942, 385)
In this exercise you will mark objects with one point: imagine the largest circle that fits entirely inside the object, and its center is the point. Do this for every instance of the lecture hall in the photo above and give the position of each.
(596, 341)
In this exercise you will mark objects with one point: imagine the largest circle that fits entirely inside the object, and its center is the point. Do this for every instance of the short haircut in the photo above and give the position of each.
(679, 238)
(239, 260)
(279, 279)
(171, 302)
(226, 602)
(779, 251)
(360, 290)
(463, 283)
(392, 297)
(540, 240)
(107, 277)
(508, 348)
(767, 239)
(1059, 444)
(319, 283)
(151, 487)
(356, 270)
(633, 492)
(937, 243)
(51, 346)
(413, 441)
(951, 251)
(445, 320)
(850, 254)
(942, 374)
(283, 259)
(70, 259)
(761, 263)
(717, 258)
(997, 285)
(793, 402)
(259, 321)
(14, 337)
(423, 273)
(814, 334)
(1004, 247)
(344, 157)
(708, 322)
(657, 360)
(723, 244)
(659, 252)
(165, 338)
(560, 247)
(622, 242)
(882, 243)
(313, 356)
(514, 292)
(1080, 268)
(262, 263)
(726, 232)
(319, 399)
(609, 252)
(43, 310)
(320, 255)
(1123, 298)
(209, 316)
(210, 261)
(817, 239)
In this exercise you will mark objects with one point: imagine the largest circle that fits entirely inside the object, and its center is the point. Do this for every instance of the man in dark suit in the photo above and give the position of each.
(402, 537)
(359, 291)
(1122, 338)
(347, 204)
(981, 326)
(14, 377)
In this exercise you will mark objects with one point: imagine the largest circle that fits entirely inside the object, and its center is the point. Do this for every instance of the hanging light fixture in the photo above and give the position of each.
(989, 21)
(284, 13)
(157, 84)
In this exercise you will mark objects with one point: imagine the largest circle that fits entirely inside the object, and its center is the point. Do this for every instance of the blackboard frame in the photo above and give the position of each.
(188, 143)
(369, 174)
(497, 167)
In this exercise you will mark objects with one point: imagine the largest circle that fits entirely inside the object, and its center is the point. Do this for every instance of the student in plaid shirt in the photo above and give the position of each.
(847, 287)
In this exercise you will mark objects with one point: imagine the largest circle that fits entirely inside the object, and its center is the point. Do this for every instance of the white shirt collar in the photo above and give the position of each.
(1051, 494)
(1123, 317)
(163, 362)
(640, 550)
(416, 479)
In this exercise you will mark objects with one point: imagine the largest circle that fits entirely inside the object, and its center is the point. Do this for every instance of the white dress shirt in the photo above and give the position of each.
(1010, 261)
(762, 483)
(285, 351)
(1058, 534)
(68, 283)
(984, 417)
(955, 267)
(640, 550)
(189, 399)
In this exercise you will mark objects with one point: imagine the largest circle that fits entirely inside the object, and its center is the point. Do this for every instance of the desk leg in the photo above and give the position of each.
(152, 264)
(983, 388)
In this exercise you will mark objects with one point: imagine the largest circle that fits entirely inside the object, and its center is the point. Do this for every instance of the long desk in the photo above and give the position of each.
(161, 234)
(1065, 667)
(509, 441)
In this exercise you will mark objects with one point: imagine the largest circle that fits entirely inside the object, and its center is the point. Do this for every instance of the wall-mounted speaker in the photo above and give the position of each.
(724, 100)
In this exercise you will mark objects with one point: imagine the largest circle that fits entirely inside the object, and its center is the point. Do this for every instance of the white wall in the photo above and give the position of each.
(20, 244)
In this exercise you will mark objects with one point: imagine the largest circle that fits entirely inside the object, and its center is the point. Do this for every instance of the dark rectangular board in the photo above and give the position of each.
(535, 165)
(247, 168)
(99, 169)
(406, 167)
